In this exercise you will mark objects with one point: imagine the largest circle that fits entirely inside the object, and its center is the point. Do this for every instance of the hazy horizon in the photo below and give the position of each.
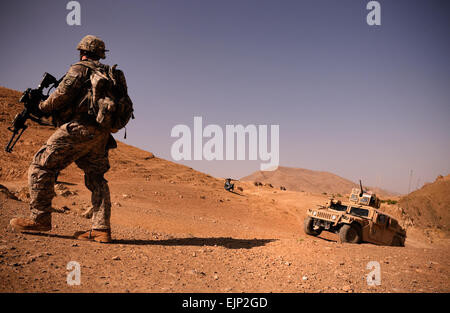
(362, 102)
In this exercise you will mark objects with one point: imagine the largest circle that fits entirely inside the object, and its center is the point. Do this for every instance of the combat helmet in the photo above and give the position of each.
(93, 45)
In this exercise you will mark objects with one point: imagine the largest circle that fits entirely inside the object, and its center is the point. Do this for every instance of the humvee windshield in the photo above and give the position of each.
(359, 212)
(338, 207)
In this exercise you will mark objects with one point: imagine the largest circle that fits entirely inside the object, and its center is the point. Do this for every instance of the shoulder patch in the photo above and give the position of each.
(68, 81)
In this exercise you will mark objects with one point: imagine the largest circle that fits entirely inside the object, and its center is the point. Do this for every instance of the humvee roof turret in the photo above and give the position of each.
(355, 222)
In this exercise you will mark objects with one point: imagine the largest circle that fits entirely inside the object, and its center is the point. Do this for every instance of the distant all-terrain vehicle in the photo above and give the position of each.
(356, 222)
(228, 186)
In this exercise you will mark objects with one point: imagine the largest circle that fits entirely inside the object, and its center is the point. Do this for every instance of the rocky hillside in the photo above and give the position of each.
(429, 207)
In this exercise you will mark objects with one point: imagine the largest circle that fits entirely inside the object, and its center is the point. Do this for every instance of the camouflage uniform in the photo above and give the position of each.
(78, 139)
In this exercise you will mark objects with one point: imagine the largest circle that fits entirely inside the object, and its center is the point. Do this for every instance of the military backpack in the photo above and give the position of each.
(108, 98)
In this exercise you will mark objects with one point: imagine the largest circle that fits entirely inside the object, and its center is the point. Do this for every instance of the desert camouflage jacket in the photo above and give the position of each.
(67, 101)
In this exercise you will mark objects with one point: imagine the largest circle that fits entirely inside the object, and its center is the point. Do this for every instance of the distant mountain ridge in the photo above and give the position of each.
(300, 179)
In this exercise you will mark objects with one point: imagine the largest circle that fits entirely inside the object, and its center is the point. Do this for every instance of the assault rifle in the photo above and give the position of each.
(30, 99)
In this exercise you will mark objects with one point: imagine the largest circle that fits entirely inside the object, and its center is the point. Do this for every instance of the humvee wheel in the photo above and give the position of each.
(308, 227)
(350, 233)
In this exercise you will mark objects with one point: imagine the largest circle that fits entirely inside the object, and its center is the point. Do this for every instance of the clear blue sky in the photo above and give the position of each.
(359, 101)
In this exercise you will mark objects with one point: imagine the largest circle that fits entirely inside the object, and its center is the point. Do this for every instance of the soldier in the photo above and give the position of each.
(78, 139)
(228, 185)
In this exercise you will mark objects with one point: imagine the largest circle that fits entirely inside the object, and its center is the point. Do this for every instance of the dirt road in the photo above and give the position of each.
(175, 235)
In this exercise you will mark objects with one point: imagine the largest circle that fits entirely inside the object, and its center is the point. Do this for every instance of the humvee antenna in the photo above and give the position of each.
(410, 179)
(409, 189)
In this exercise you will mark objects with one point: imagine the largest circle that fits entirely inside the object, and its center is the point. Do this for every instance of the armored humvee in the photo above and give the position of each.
(355, 222)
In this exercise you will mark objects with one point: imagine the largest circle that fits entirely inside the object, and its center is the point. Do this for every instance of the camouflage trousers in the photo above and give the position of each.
(76, 142)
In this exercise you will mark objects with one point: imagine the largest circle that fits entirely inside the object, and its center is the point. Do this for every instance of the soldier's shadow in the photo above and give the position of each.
(227, 242)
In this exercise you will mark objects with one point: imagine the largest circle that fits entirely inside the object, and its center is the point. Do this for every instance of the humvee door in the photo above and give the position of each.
(378, 229)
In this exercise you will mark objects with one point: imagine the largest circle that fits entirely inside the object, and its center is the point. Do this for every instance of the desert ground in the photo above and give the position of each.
(177, 230)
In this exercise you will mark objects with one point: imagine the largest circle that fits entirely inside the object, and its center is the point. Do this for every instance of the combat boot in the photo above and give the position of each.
(26, 224)
(99, 235)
